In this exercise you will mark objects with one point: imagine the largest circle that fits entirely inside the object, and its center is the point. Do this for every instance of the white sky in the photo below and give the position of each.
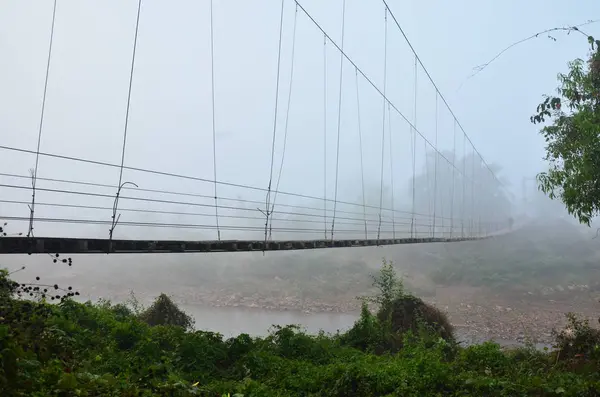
(170, 116)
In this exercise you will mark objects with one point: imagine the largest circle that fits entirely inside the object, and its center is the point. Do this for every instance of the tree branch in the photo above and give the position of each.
(568, 29)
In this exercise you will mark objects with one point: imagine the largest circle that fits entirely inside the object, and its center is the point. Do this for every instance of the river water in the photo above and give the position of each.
(232, 321)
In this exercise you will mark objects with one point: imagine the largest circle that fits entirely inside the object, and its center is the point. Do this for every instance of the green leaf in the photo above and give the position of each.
(573, 142)
(9, 363)
(68, 381)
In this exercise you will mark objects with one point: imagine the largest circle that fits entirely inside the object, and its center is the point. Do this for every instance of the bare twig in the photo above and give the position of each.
(568, 29)
(17, 270)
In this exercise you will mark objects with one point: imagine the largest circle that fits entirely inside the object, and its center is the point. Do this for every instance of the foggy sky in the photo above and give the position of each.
(170, 116)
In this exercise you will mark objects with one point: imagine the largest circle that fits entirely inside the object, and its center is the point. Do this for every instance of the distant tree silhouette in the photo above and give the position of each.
(467, 192)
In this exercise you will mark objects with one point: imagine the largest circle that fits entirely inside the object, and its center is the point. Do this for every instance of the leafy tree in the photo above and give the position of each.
(573, 137)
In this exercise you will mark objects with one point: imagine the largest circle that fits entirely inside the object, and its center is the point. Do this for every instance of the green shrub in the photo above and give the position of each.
(127, 334)
(367, 333)
(398, 314)
(74, 349)
(165, 312)
(578, 339)
(409, 313)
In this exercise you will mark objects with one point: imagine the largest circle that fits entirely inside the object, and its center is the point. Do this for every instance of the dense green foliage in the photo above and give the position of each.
(73, 349)
(573, 137)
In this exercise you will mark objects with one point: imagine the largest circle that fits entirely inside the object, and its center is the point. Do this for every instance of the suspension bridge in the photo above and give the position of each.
(287, 137)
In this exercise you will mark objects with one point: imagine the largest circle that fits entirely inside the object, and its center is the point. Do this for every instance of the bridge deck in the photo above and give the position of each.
(51, 245)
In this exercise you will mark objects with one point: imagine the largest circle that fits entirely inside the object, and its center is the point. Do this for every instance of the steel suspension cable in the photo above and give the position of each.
(161, 191)
(353, 221)
(339, 124)
(472, 223)
(324, 134)
(435, 166)
(186, 177)
(268, 197)
(413, 136)
(370, 81)
(437, 89)
(172, 225)
(287, 118)
(383, 119)
(214, 131)
(464, 184)
(362, 169)
(453, 180)
(391, 145)
(114, 217)
(41, 123)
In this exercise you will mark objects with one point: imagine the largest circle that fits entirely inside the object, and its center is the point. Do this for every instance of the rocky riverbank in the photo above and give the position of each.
(477, 314)
(480, 313)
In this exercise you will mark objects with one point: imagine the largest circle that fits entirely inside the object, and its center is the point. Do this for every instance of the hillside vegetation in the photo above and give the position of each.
(405, 349)
(543, 254)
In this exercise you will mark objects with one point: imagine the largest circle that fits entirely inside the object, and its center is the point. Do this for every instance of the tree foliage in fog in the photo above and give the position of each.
(573, 137)
(388, 284)
(462, 189)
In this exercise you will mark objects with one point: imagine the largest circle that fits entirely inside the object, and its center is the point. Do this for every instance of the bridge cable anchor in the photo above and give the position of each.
(115, 218)
(266, 213)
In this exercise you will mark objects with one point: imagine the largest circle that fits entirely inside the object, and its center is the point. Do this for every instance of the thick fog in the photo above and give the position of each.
(251, 95)
(169, 128)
